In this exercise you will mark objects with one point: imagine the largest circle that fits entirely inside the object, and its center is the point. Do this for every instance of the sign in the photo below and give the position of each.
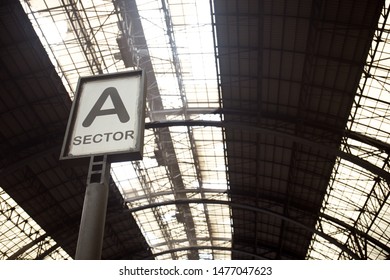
(107, 117)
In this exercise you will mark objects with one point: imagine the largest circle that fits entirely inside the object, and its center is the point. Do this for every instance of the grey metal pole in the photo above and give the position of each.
(91, 233)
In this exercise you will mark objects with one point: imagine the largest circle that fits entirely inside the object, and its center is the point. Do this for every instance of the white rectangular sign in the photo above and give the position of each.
(107, 117)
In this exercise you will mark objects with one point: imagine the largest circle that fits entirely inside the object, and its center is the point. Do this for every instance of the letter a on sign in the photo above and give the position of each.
(119, 108)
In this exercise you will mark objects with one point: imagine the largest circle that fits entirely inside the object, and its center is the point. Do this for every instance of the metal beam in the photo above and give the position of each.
(28, 246)
(255, 209)
(356, 231)
(208, 248)
(184, 191)
(255, 129)
(236, 194)
(222, 239)
(249, 196)
(48, 252)
(380, 145)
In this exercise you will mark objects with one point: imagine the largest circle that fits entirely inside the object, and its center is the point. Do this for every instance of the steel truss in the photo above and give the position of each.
(344, 248)
(355, 188)
(22, 237)
(169, 144)
(376, 199)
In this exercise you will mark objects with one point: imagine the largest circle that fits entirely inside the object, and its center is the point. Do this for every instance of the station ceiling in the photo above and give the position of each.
(266, 131)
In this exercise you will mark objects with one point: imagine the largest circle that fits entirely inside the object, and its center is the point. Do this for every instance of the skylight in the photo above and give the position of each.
(180, 162)
(356, 196)
(22, 237)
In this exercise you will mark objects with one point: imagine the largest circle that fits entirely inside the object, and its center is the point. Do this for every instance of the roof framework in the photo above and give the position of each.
(266, 134)
(355, 196)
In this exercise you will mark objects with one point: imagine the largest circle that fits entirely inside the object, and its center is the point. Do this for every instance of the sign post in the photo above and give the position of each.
(106, 124)
(93, 217)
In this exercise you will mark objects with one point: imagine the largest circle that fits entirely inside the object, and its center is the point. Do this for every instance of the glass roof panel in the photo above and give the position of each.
(179, 162)
(357, 198)
(22, 237)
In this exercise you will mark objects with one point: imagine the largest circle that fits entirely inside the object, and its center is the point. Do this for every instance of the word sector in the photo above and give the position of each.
(103, 137)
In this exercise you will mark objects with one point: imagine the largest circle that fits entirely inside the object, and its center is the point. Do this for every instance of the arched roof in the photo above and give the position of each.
(266, 128)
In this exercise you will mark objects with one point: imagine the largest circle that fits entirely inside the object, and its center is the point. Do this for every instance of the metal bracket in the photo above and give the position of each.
(98, 169)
